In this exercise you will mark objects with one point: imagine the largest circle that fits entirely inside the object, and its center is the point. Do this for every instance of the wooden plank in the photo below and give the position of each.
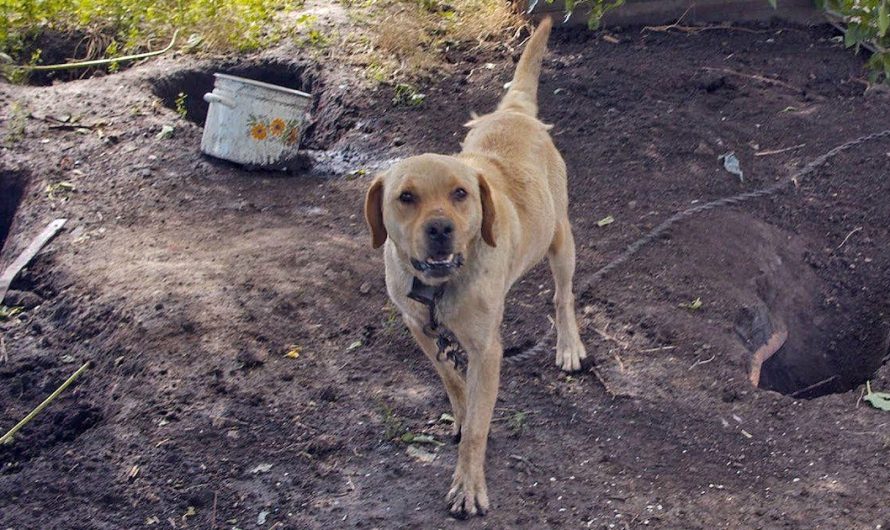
(28, 254)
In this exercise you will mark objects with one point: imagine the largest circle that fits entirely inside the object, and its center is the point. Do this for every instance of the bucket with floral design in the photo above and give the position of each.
(254, 123)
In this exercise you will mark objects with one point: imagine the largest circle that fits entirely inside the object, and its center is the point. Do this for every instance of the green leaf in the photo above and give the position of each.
(694, 305)
(879, 400)
(9, 312)
(883, 19)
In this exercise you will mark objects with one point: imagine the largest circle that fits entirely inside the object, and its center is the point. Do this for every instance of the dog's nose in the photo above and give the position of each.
(439, 230)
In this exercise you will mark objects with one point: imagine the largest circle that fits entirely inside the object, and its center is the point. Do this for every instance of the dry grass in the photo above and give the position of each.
(406, 39)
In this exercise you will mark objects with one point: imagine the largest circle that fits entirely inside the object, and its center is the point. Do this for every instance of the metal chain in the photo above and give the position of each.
(544, 342)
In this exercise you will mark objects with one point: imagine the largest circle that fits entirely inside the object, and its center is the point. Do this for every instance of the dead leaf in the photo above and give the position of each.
(261, 468)
(420, 454)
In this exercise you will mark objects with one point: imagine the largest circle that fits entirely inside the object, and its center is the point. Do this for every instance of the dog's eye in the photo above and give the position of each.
(407, 197)
(459, 194)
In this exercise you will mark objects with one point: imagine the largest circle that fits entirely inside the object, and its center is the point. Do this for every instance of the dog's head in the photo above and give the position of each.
(432, 208)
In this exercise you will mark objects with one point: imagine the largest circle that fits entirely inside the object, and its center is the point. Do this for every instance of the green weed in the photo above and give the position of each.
(132, 26)
(8, 312)
(181, 107)
(15, 127)
(517, 422)
(393, 426)
(407, 95)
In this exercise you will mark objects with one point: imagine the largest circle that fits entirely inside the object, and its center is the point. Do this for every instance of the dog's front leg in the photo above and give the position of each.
(468, 494)
(454, 383)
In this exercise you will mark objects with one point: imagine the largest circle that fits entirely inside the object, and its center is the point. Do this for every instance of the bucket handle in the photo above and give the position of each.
(210, 97)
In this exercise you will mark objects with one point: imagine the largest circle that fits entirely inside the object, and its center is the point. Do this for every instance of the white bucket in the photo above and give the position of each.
(254, 123)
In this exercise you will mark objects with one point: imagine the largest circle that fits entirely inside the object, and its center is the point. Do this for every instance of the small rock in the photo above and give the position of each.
(145, 172)
(703, 149)
(420, 454)
(365, 288)
(398, 141)
(261, 468)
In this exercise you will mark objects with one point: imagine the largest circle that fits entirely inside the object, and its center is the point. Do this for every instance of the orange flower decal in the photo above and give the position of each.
(276, 128)
(259, 131)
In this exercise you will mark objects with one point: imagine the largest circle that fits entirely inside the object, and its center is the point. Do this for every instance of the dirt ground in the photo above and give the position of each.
(185, 280)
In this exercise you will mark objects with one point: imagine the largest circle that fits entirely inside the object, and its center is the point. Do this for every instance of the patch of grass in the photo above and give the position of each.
(409, 39)
(128, 26)
(59, 191)
(407, 95)
(517, 422)
(15, 127)
(308, 34)
(391, 320)
(393, 426)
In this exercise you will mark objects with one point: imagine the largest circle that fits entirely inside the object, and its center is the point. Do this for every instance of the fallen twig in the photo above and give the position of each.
(699, 363)
(857, 229)
(603, 382)
(8, 436)
(777, 151)
(814, 386)
(661, 348)
(525, 461)
(3, 354)
(669, 26)
(605, 335)
(100, 62)
(213, 515)
(753, 76)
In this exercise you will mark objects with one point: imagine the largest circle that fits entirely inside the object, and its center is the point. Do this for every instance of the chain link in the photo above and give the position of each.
(544, 342)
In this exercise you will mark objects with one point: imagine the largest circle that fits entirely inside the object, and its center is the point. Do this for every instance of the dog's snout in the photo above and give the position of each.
(439, 230)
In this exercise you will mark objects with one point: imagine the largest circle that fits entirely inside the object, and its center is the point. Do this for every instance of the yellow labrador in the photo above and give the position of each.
(468, 226)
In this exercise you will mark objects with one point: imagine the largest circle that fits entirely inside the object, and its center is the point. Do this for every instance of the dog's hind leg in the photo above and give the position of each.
(569, 348)
(454, 383)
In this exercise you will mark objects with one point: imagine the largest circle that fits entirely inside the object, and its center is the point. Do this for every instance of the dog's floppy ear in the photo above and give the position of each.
(374, 212)
(488, 212)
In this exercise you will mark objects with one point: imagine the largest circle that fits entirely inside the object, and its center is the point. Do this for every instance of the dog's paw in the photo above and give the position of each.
(468, 496)
(569, 357)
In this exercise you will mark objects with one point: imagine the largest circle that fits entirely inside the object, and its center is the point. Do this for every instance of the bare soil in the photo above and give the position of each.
(185, 280)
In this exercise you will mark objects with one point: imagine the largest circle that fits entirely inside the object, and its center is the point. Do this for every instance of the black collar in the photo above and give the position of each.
(446, 342)
(425, 294)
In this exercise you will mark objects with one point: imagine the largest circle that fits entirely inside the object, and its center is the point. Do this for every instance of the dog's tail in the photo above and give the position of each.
(523, 93)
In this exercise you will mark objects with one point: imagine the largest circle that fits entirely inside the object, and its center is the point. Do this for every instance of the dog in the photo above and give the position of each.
(466, 227)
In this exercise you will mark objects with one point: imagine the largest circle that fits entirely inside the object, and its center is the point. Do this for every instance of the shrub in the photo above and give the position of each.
(868, 22)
